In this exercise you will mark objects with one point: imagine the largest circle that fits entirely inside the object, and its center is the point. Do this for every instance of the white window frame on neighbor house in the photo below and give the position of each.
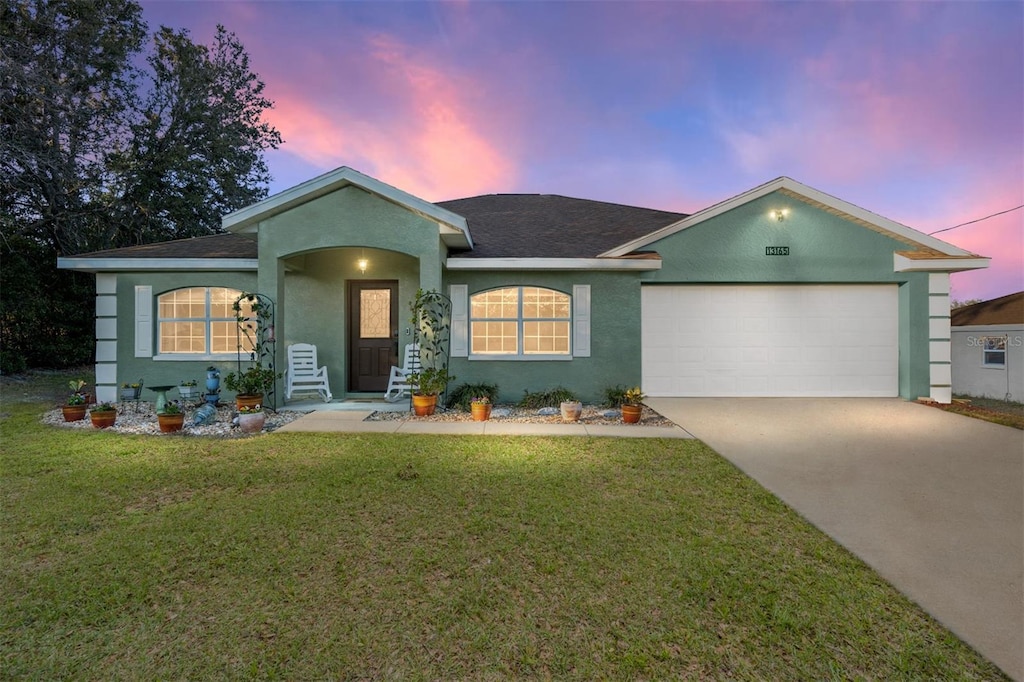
(228, 346)
(993, 348)
(520, 326)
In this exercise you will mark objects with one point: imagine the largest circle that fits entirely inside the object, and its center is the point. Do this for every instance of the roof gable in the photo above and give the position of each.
(1003, 310)
(918, 243)
(453, 228)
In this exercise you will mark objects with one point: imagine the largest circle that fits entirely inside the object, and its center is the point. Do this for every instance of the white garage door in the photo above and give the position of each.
(770, 340)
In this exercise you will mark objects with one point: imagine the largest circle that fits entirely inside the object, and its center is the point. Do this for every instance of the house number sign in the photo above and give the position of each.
(776, 250)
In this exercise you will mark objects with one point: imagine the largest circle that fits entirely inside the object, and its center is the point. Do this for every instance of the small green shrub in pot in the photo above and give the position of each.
(253, 381)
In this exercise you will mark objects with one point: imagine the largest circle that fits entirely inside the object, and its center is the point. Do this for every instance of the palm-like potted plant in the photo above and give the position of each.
(632, 406)
(74, 408)
(171, 418)
(103, 415)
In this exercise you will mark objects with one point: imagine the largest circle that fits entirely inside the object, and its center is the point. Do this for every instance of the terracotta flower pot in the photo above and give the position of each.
(631, 413)
(103, 419)
(481, 412)
(424, 405)
(571, 411)
(169, 423)
(73, 413)
(254, 400)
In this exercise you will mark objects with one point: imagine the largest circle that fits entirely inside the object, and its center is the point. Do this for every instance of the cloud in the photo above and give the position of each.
(403, 118)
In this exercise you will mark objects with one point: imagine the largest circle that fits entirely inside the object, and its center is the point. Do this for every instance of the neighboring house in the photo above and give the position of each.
(988, 348)
(780, 291)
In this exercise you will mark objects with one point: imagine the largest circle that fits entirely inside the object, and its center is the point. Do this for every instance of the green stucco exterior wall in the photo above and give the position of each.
(166, 372)
(308, 256)
(615, 340)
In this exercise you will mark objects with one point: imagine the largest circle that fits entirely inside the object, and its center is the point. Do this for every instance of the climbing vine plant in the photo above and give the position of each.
(431, 323)
(254, 315)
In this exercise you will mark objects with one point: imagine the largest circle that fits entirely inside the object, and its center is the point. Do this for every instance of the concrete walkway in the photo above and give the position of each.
(932, 500)
(351, 421)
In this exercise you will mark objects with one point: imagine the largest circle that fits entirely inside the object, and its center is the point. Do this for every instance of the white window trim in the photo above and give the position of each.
(520, 356)
(985, 351)
(207, 320)
(195, 357)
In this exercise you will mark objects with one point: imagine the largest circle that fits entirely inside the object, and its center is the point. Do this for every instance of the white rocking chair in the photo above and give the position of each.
(303, 375)
(398, 383)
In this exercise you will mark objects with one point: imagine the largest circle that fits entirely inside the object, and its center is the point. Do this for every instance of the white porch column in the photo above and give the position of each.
(939, 367)
(106, 337)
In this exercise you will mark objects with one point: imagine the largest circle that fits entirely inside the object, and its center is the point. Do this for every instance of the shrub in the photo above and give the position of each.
(462, 395)
(552, 397)
(614, 396)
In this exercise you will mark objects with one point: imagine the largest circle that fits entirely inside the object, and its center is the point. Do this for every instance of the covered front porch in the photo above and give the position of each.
(343, 256)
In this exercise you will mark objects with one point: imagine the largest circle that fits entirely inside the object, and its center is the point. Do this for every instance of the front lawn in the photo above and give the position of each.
(332, 556)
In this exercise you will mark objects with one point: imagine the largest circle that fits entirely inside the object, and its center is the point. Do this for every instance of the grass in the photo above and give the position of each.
(1005, 412)
(332, 556)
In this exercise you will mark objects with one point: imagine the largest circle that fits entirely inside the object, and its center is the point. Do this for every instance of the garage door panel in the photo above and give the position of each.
(770, 340)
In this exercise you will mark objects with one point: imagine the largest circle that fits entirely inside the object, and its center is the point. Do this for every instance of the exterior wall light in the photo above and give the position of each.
(780, 214)
(361, 264)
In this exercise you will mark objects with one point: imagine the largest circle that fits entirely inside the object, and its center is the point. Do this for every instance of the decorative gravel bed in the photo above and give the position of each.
(143, 420)
(592, 414)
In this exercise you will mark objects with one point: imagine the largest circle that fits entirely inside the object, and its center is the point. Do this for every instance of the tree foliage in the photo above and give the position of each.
(98, 151)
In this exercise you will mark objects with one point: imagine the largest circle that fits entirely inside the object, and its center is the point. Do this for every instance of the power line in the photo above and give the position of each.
(946, 229)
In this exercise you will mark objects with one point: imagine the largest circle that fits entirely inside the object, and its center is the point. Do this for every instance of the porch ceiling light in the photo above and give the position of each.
(361, 264)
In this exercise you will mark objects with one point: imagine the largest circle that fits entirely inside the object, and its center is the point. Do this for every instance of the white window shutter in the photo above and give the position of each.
(460, 320)
(143, 321)
(581, 321)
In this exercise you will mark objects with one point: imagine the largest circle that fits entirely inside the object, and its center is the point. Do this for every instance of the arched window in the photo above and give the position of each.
(520, 321)
(200, 321)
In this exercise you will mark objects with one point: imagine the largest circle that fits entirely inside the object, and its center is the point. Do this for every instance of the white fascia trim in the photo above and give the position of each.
(904, 264)
(797, 188)
(165, 264)
(245, 220)
(552, 264)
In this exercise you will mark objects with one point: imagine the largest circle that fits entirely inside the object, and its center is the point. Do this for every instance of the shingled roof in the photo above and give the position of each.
(212, 246)
(1007, 309)
(551, 226)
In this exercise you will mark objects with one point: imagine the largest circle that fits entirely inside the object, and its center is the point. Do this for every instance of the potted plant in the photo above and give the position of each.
(74, 409)
(250, 385)
(429, 382)
(103, 415)
(480, 407)
(131, 391)
(431, 314)
(571, 410)
(188, 389)
(171, 419)
(251, 418)
(631, 405)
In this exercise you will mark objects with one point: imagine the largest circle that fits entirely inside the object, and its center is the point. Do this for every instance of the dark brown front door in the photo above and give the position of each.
(373, 333)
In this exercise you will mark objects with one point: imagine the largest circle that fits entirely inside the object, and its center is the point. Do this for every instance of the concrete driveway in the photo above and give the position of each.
(931, 500)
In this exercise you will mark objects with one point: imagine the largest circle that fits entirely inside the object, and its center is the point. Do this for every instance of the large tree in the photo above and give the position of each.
(97, 153)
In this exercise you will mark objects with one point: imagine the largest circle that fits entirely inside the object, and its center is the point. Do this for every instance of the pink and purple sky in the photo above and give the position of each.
(913, 110)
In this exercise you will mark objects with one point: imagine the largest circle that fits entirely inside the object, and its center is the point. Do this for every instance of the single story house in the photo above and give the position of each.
(782, 290)
(988, 348)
